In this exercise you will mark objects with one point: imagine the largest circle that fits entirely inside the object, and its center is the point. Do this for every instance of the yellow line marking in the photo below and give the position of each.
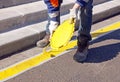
(37, 60)
(105, 29)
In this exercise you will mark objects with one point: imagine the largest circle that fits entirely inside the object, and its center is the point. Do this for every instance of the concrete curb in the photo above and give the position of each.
(9, 3)
(26, 36)
(27, 13)
(105, 10)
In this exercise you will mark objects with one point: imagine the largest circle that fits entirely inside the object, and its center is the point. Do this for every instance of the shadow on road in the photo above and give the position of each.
(106, 52)
(103, 53)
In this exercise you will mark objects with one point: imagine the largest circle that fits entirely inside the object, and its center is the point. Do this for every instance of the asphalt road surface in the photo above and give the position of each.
(102, 64)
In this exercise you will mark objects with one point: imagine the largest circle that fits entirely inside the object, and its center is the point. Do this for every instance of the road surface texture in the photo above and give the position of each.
(102, 64)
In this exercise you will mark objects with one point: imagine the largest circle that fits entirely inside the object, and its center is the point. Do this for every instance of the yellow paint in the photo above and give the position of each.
(105, 29)
(62, 35)
(36, 60)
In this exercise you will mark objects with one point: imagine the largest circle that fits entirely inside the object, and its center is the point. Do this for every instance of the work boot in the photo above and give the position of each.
(44, 42)
(82, 50)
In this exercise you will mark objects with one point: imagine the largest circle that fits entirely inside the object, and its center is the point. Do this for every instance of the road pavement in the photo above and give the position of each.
(102, 64)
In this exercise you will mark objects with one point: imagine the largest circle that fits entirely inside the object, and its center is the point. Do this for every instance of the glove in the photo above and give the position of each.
(75, 18)
(53, 25)
(73, 15)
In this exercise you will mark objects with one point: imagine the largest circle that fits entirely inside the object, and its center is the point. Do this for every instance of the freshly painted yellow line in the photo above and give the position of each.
(37, 60)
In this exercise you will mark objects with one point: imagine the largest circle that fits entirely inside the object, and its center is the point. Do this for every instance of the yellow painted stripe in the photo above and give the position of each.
(37, 60)
(105, 29)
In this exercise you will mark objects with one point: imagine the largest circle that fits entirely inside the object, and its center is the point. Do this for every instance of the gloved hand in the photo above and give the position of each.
(53, 25)
(73, 15)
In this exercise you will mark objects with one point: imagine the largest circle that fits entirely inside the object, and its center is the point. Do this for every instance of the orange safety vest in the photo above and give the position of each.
(54, 3)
